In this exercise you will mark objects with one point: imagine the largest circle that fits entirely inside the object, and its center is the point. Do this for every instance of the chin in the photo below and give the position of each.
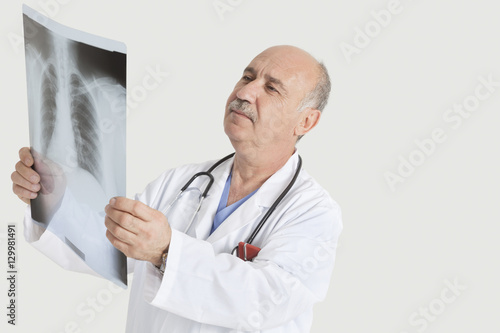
(234, 132)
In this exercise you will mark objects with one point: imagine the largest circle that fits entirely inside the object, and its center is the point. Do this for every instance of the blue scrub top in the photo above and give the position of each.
(223, 211)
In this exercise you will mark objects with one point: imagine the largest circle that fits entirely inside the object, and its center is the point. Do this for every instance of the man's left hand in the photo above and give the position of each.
(137, 230)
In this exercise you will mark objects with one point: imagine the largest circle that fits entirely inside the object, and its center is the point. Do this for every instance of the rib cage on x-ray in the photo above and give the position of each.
(77, 108)
(77, 118)
(82, 114)
(85, 127)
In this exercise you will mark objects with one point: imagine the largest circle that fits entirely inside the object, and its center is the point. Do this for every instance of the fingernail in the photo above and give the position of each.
(33, 195)
(34, 187)
(112, 201)
(34, 179)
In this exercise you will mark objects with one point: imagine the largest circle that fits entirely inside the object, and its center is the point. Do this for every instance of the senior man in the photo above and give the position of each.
(185, 277)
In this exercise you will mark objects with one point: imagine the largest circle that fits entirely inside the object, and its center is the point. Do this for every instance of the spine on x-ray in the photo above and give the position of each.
(85, 127)
(49, 105)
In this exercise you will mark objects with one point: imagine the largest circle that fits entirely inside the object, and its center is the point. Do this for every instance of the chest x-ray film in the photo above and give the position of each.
(77, 108)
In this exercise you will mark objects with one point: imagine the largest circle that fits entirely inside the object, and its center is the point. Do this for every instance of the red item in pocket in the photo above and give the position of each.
(247, 251)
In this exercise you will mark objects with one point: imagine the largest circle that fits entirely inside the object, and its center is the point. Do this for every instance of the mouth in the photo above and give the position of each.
(239, 113)
(243, 109)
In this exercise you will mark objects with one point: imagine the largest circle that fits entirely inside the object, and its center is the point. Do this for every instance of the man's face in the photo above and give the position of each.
(262, 109)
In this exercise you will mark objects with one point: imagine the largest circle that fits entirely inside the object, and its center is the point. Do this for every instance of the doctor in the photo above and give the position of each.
(189, 281)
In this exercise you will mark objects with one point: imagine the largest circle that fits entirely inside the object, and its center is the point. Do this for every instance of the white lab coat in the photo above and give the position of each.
(204, 288)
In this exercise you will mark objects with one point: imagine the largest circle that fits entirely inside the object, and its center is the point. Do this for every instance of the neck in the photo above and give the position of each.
(255, 166)
(252, 168)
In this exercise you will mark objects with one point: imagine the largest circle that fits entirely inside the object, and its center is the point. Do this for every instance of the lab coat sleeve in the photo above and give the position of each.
(290, 274)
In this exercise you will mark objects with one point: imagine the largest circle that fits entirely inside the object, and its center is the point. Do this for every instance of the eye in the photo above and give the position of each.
(271, 88)
(246, 78)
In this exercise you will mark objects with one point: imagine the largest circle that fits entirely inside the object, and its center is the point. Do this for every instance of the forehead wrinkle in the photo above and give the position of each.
(268, 77)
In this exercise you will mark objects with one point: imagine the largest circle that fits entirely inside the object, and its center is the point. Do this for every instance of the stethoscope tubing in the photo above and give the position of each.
(208, 173)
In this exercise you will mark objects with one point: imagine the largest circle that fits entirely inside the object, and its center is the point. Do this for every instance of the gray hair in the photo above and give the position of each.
(318, 97)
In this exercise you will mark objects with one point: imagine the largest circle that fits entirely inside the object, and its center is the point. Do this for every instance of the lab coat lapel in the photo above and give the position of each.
(243, 215)
(205, 218)
(255, 207)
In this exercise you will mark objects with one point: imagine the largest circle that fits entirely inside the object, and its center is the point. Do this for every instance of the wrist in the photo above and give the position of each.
(161, 263)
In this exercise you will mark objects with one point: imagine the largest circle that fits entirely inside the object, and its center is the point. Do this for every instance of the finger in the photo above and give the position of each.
(24, 199)
(123, 219)
(19, 180)
(134, 207)
(117, 231)
(23, 193)
(118, 244)
(45, 166)
(27, 173)
(26, 157)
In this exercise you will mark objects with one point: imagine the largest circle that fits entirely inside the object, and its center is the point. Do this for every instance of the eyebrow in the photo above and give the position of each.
(268, 77)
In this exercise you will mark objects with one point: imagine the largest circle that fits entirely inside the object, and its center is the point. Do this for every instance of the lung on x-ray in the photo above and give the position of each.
(76, 85)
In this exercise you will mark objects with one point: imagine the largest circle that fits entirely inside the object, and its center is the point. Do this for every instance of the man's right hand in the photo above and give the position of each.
(25, 180)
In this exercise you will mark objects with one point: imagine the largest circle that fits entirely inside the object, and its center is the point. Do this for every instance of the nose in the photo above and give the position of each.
(248, 92)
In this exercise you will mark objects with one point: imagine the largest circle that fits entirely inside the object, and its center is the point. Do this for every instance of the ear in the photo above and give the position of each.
(309, 119)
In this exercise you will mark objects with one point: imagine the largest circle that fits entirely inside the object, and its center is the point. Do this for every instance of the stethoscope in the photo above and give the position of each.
(244, 250)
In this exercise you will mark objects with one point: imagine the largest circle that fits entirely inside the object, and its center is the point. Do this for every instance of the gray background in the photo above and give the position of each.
(398, 247)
